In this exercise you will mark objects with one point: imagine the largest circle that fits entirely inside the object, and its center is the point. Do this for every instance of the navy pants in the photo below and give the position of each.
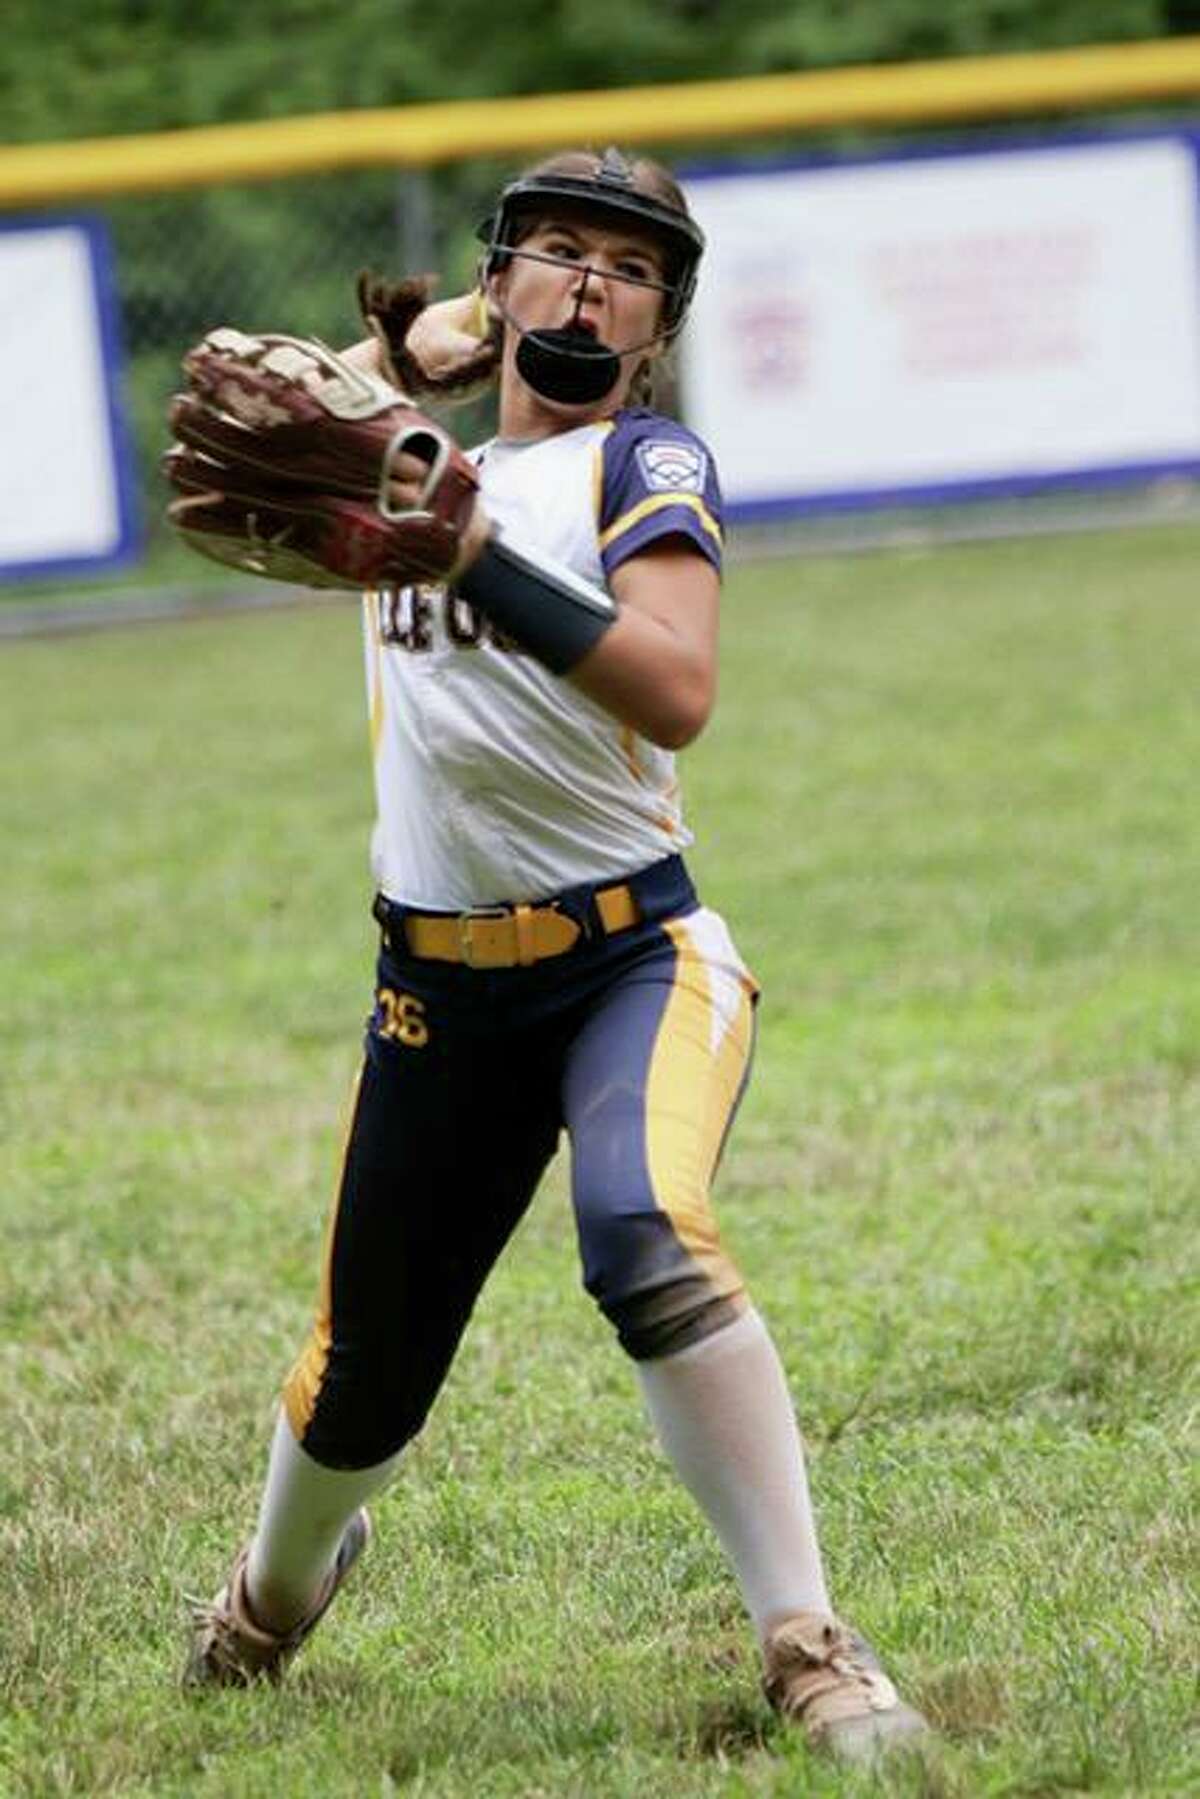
(638, 1045)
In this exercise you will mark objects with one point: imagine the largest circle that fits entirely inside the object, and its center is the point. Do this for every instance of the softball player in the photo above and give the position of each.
(545, 963)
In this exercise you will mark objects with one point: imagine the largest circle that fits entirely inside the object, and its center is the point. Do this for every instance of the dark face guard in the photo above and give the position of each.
(567, 363)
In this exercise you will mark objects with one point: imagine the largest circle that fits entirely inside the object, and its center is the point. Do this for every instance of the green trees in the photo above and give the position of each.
(143, 65)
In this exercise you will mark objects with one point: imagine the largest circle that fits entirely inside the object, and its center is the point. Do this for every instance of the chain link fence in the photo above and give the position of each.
(280, 256)
(283, 255)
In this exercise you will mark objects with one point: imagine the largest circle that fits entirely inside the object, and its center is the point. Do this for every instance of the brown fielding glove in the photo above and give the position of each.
(283, 464)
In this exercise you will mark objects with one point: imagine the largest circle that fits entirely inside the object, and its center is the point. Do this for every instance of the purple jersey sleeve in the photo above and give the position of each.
(658, 480)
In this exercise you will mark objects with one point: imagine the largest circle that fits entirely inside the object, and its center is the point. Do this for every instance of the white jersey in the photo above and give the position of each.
(496, 780)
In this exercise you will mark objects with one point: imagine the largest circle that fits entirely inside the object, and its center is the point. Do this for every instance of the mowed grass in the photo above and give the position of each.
(949, 806)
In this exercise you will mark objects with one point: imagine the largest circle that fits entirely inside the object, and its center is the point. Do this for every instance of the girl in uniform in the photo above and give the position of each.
(544, 957)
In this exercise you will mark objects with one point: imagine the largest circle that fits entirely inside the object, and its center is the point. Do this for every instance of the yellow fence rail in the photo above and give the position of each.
(975, 87)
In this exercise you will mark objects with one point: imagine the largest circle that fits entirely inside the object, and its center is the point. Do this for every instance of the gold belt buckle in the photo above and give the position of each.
(465, 922)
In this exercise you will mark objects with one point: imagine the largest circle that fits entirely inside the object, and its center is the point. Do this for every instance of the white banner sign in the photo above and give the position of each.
(936, 327)
(65, 491)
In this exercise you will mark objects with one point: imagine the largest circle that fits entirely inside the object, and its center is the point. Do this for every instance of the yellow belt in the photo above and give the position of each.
(512, 936)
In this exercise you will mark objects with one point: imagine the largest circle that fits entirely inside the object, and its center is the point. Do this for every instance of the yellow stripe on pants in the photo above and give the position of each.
(302, 1387)
(691, 1091)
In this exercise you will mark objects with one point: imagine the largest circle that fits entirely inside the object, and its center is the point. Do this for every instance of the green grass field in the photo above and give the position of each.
(949, 805)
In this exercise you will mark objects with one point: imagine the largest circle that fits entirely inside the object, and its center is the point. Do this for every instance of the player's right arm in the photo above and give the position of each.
(656, 669)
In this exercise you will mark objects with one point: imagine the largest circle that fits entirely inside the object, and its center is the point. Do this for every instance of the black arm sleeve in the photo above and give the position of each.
(542, 604)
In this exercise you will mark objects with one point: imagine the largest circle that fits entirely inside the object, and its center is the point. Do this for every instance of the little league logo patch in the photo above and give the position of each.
(670, 467)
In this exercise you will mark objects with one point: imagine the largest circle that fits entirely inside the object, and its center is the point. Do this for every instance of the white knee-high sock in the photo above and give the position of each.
(724, 1416)
(304, 1512)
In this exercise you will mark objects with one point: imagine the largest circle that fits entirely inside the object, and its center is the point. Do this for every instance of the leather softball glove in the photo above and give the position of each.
(286, 464)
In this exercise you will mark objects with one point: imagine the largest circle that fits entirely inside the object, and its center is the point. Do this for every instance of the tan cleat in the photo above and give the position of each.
(231, 1649)
(820, 1675)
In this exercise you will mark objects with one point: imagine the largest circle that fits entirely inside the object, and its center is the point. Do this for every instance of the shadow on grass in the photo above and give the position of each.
(730, 1731)
(967, 1699)
(427, 1730)
(453, 1737)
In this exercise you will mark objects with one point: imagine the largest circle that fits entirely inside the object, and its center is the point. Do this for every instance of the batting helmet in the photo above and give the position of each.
(613, 188)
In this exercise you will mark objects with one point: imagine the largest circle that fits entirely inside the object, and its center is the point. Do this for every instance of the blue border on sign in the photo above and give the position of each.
(937, 147)
(128, 540)
(1019, 483)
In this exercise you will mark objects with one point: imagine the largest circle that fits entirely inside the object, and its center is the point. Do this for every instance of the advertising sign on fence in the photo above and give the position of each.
(65, 479)
(938, 327)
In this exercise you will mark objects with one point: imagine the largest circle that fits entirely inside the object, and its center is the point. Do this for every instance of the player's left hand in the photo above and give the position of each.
(296, 464)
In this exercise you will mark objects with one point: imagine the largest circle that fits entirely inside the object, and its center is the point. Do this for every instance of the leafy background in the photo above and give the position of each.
(138, 65)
